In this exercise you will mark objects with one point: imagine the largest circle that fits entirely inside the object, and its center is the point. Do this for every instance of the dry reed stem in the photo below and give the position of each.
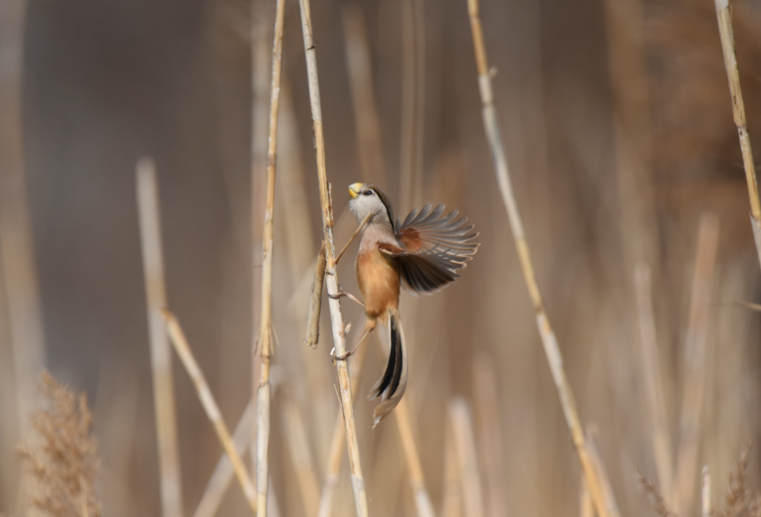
(17, 261)
(724, 19)
(461, 420)
(486, 393)
(652, 380)
(414, 467)
(705, 493)
(335, 457)
(298, 444)
(413, 107)
(161, 357)
(586, 508)
(177, 337)
(357, 480)
(264, 341)
(366, 121)
(695, 363)
(452, 504)
(627, 65)
(594, 453)
(353, 236)
(223, 472)
(315, 300)
(549, 341)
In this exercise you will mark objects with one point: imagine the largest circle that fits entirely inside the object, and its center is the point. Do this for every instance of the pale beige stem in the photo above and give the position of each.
(414, 467)
(705, 496)
(549, 341)
(315, 300)
(177, 337)
(265, 323)
(586, 508)
(298, 444)
(695, 363)
(336, 318)
(724, 19)
(461, 420)
(161, 356)
(366, 121)
(452, 504)
(653, 385)
(594, 454)
(335, 457)
(223, 472)
(490, 441)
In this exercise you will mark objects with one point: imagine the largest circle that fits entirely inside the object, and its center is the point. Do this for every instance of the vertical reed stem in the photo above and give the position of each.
(265, 323)
(724, 19)
(161, 357)
(549, 341)
(336, 318)
(210, 406)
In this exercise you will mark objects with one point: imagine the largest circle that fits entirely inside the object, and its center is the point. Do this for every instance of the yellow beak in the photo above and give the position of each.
(355, 189)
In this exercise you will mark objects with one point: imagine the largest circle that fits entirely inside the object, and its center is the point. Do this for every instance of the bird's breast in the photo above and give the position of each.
(378, 282)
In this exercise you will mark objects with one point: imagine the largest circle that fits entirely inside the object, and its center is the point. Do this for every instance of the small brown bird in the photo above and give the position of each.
(424, 252)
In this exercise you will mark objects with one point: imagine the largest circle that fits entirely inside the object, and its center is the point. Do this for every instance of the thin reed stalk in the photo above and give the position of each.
(594, 453)
(414, 467)
(724, 19)
(549, 341)
(265, 339)
(161, 357)
(223, 472)
(366, 122)
(461, 420)
(452, 504)
(298, 445)
(17, 261)
(656, 404)
(335, 457)
(336, 318)
(586, 508)
(490, 434)
(705, 493)
(177, 337)
(695, 362)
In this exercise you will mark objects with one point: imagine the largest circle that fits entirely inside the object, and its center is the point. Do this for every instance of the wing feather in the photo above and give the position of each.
(431, 248)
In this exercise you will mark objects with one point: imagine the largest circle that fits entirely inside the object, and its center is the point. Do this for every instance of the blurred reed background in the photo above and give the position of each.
(618, 127)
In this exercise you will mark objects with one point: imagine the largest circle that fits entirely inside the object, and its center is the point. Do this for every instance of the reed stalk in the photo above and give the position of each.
(549, 341)
(656, 404)
(724, 19)
(181, 346)
(336, 318)
(461, 420)
(335, 457)
(705, 493)
(265, 338)
(223, 472)
(695, 363)
(161, 357)
(298, 445)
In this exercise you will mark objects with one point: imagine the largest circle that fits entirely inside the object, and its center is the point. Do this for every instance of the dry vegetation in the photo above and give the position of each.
(618, 166)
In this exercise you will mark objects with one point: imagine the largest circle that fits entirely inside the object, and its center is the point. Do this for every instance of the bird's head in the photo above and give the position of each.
(369, 199)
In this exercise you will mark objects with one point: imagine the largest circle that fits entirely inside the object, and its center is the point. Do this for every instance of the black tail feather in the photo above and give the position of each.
(390, 387)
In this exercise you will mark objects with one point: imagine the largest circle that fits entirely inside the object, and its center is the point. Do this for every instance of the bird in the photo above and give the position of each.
(422, 253)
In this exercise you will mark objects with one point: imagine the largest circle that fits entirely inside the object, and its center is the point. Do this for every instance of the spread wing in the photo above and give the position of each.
(431, 248)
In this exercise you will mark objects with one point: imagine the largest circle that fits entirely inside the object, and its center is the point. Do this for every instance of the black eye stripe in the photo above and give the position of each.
(368, 193)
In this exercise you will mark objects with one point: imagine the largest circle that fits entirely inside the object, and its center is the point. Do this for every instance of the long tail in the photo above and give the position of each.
(390, 387)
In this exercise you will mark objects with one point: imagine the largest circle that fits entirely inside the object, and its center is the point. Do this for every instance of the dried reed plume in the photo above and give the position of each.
(66, 462)
(656, 498)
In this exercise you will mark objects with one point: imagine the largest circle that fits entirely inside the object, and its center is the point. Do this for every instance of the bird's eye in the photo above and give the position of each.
(367, 193)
